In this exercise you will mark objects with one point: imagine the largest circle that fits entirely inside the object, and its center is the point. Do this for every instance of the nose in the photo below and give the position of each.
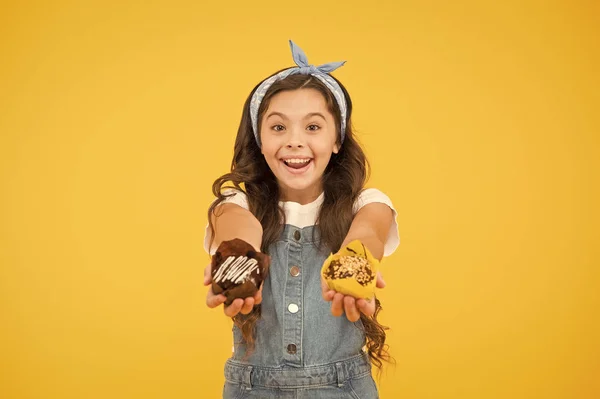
(295, 138)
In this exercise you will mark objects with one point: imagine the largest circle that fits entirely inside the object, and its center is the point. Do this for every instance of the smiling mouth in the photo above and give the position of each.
(297, 164)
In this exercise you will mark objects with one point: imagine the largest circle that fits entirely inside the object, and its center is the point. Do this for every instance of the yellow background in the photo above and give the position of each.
(481, 123)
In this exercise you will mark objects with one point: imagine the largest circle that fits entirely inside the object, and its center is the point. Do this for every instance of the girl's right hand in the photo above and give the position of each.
(239, 305)
(353, 307)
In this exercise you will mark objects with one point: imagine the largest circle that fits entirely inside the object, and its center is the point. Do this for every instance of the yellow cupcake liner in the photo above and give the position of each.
(349, 285)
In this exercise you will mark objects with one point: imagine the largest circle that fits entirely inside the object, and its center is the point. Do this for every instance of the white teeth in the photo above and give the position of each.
(297, 160)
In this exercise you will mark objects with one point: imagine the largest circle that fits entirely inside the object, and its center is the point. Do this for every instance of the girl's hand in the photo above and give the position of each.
(341, 303)
(239, 305)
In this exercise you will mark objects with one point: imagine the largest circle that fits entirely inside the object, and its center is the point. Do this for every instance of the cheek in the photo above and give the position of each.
(269, 150)
(322, 148)
(270, 144)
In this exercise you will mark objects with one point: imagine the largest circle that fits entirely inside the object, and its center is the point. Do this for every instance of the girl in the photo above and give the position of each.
(298, 194)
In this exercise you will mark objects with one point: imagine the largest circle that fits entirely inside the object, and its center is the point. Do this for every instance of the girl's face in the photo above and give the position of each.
(298, 136)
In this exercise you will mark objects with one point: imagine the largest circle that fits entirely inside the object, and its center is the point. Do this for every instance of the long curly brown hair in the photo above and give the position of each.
(343, 180)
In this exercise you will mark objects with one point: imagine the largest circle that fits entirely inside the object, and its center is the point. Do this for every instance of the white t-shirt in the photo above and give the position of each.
(306, 215)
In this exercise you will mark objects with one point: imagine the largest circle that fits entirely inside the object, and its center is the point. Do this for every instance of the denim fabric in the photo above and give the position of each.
(350, 378)
(302, 350)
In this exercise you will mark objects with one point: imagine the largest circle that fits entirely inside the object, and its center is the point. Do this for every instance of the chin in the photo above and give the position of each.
(297, 182)
(298, 186)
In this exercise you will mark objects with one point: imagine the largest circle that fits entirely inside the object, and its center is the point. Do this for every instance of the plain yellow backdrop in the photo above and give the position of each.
(481, 123)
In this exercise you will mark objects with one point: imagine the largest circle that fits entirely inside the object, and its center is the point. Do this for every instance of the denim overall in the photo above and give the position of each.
(302, 350)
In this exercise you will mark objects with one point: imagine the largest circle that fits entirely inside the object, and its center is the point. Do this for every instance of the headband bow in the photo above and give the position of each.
(305, 68)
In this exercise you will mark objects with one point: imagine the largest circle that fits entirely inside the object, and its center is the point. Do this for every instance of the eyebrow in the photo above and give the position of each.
(310, 115)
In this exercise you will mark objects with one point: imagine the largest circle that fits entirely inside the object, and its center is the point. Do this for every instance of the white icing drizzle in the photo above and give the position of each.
(235, 269)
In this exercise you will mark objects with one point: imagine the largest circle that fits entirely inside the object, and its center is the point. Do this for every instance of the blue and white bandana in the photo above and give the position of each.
(320, 72)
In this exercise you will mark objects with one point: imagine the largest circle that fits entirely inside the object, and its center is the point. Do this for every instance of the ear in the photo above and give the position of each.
(336, 148)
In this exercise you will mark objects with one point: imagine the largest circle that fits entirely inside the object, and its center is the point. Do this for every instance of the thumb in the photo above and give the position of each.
(326, 292)
(324, 286)
(380, 282)
(207, 276)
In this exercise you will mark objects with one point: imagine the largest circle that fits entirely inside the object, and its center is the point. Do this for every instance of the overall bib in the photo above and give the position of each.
(302, 350)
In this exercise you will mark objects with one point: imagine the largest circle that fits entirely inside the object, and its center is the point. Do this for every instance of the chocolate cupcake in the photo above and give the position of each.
(238, 270)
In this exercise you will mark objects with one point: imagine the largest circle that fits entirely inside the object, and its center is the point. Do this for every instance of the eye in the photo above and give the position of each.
(313, 127)
(278, 128)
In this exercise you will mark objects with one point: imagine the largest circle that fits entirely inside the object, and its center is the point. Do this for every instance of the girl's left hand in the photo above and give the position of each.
(341, 303)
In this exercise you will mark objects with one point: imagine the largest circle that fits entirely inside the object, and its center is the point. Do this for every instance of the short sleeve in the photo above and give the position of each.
(371, 195)
(238, 198)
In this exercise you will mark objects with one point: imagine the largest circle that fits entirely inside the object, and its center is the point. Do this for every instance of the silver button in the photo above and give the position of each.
(293, 308)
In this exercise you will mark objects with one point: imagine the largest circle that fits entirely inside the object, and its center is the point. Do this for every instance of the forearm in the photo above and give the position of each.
(232, 222)
(371, 226)
(369, 238)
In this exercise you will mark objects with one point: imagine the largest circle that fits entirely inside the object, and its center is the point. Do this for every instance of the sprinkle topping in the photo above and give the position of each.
(351, 266)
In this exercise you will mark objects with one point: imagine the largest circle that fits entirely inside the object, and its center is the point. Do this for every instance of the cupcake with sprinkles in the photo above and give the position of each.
(352, 271)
